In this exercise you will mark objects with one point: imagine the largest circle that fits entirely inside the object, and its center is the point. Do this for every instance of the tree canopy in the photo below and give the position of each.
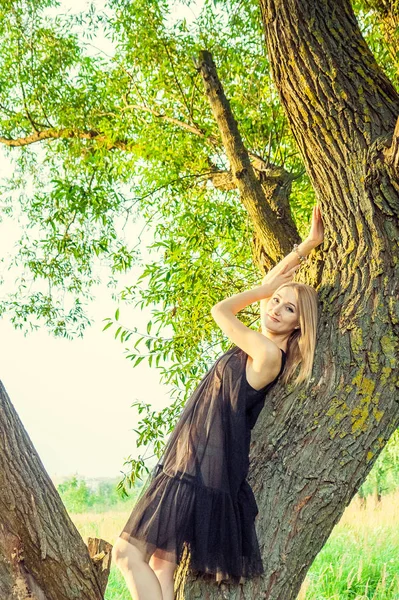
(98, 139)
(178, 124)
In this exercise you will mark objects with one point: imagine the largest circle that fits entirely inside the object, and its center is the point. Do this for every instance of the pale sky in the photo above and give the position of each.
(74, 397)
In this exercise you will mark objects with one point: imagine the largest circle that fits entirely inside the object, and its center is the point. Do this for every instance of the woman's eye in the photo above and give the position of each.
(289, 307)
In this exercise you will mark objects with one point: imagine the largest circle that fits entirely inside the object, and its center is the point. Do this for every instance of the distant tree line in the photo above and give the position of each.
(79, 496)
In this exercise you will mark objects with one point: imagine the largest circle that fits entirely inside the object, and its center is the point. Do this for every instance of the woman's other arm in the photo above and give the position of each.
(255, 344)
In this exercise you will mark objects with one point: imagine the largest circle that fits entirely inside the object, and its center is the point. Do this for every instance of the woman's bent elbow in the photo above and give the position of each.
(215, 309)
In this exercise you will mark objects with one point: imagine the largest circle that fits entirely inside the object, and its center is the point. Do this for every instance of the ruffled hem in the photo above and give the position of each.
(177, 515)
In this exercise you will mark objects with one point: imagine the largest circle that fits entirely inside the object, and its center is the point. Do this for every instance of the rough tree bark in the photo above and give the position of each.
(42, 556)
(312, 450)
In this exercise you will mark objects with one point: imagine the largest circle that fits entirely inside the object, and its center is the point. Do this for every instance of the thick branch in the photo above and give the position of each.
(257, 161)
(336, 98)
(275, 233)
(273, 180)
(41, 552)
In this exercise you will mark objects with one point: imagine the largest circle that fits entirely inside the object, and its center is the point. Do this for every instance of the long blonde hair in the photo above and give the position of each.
(301, 344)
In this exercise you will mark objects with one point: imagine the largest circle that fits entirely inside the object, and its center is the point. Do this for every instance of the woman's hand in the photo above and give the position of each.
(315, 238)
(316, 234)
(281, 273)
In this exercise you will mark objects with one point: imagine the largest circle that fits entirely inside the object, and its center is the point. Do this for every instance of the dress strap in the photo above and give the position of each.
(284, 358)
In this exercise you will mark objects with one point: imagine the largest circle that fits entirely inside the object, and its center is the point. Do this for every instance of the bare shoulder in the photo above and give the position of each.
(265, 366)
(270, 355)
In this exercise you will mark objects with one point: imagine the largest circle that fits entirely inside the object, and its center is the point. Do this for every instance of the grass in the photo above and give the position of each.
(360, 560)
(107, 526)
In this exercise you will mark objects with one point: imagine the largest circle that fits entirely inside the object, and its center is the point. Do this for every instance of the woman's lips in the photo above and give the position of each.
(274, 319)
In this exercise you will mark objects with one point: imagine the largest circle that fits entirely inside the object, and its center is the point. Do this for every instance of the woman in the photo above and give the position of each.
(197, 498)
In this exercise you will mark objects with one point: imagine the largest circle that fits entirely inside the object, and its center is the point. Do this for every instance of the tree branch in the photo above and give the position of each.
(257, 161)
(388, 14)
(315, 89)
(42, 555)
(220, 179)
(53, 133)
(276, 234)
(191, 128)
(337, 99)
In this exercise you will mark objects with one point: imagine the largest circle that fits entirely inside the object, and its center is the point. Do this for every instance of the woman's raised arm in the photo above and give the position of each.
(314, 239)
(254, 343)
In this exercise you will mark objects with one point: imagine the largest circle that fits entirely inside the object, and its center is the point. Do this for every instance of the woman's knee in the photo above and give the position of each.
(125, 554)
(159, 564)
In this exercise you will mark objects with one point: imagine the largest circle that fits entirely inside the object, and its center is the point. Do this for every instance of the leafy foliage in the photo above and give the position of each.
(98, 139)
(79, 497)
(384, 476)
(130, 134)
(380, 26)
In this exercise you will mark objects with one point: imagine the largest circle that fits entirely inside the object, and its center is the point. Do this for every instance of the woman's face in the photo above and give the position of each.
(282, 313)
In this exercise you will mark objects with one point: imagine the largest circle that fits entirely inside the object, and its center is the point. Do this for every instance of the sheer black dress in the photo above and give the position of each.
(197, 495)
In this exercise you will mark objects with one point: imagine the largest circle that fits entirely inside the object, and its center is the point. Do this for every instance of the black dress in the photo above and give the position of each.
(197, 495)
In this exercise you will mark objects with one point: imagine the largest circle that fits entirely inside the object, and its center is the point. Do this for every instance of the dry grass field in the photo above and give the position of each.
(359, 562)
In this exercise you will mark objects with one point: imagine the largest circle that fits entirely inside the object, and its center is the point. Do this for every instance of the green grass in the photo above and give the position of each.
(356, 565)
(360, 560)
(107, 526)
(116, 588)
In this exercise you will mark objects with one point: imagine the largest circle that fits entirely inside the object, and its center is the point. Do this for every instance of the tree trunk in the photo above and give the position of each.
(312, 450)
(42, 556)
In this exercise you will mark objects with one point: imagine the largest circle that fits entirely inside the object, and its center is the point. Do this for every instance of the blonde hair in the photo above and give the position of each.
(301, 344)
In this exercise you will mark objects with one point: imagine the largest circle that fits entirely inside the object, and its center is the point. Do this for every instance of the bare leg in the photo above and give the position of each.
(164, 570)
(141, 580)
